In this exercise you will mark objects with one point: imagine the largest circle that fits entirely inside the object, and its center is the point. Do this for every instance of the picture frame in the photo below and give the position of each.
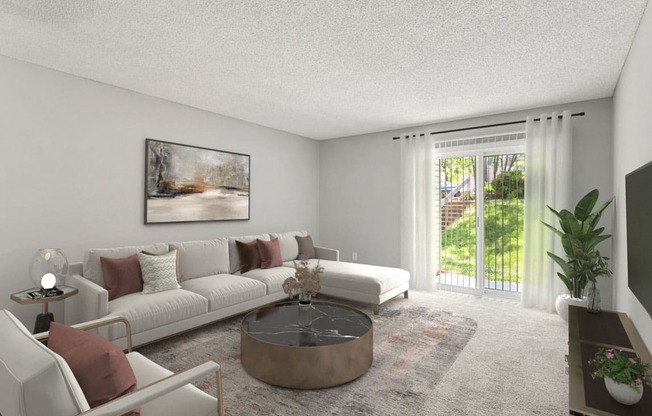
(185, 183)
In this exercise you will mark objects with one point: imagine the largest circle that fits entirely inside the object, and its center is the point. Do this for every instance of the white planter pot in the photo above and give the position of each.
(622, 393)
(562, 302)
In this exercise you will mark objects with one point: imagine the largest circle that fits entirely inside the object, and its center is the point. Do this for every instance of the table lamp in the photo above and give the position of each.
(48, 267)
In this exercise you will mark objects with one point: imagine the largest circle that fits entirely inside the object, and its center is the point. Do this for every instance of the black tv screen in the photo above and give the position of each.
(638, 191)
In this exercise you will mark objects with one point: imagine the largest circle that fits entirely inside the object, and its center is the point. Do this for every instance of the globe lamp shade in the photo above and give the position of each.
(48, 268)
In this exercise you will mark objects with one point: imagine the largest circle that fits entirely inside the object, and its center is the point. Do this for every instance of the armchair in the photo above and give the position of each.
(36, 381)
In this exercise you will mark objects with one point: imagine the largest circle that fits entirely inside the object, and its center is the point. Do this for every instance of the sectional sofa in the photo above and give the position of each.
(210, 286)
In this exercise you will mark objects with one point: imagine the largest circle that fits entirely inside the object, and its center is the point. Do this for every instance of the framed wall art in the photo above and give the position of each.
(186, 183)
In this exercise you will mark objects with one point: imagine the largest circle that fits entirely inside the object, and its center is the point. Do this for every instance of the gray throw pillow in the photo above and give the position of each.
(306, 248)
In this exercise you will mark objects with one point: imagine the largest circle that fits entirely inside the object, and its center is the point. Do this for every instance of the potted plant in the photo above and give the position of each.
(579, 238)
(624, 375)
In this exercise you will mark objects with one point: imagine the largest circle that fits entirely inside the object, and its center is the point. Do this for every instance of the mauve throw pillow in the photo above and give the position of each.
(100, 367)
(122, 276)
(270, 253)
(249, 256)
(306, 247)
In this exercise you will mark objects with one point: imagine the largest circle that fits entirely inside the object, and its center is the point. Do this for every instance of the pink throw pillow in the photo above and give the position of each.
(270, 253)
(100, 367)
(122, 276)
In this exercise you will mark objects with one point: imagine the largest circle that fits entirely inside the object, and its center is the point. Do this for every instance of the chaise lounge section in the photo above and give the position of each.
(211, 286)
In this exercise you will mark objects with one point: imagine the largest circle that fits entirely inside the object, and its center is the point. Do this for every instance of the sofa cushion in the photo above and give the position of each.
(33, 379)
(270, 254)
(146, 312)
(159, 272)
(306, 247)
(92, 269)
(225, 290)
(288, 243)
(272, 278)
(122, 276)
(202, 258)
(234, 260)
(249, 256)
(356, 277)
(99, 366)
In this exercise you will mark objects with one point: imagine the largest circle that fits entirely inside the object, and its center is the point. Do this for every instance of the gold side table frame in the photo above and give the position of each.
(43, 320)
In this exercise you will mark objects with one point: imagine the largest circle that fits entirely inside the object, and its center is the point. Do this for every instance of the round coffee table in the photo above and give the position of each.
(335, 347)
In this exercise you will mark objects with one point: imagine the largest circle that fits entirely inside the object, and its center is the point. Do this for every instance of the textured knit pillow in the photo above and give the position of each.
(270, 253)
(100, 367)
(306, 247)
(249, 256)
(121, 276)
(159, 272)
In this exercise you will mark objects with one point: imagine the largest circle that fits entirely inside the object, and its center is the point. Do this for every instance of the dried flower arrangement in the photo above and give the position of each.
(305, 281)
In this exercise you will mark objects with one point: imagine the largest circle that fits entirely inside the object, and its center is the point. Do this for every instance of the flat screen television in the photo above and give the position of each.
(638, 194)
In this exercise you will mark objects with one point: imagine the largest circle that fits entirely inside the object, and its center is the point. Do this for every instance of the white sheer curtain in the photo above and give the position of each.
(418, 205)
(548, 146)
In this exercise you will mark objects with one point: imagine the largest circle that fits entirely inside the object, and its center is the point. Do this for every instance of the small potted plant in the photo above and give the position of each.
(305, 281)
(624, 374)
(579, 237)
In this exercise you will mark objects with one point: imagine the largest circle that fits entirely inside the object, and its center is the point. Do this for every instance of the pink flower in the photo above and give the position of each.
(610, 350)
(638, 381)
(609, 355)
(633, 361)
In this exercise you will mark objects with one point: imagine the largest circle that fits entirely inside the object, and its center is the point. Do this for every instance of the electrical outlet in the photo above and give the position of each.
(354, 256)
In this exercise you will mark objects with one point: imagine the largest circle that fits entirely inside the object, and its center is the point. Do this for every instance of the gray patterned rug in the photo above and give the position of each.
(414, 346)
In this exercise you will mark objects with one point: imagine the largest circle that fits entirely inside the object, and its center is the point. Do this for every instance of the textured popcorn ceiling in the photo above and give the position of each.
(326, 69)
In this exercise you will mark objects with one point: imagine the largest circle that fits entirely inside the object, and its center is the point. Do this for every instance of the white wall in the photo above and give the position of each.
(632, 149)
(359, 180)
(72, 170)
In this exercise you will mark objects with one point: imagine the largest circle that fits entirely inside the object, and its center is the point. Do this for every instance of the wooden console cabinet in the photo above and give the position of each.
(586, 333)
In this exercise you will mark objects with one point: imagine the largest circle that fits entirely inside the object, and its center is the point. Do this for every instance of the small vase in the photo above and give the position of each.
(623, 393)
(305, 304)
(305, 299)
(593, 304)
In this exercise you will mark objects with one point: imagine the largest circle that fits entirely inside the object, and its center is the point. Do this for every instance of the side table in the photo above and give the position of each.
(43, 319)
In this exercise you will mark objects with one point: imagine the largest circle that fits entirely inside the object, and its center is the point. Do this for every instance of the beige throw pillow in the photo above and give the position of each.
(159, 272)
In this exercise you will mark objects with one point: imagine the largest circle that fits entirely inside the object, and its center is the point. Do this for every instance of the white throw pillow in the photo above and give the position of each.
(159, 272)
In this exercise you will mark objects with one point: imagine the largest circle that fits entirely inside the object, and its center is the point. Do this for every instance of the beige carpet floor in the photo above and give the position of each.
(434, 354)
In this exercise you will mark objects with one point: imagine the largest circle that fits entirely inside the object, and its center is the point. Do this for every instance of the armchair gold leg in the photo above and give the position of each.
(220, 401)
(376, 309)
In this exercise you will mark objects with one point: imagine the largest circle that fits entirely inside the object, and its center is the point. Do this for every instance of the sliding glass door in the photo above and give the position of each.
(481, 222)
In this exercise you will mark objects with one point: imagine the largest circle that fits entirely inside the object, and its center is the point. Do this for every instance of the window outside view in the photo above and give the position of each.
(502, 189)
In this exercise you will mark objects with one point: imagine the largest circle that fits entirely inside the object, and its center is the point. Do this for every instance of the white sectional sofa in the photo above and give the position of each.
(212, 287)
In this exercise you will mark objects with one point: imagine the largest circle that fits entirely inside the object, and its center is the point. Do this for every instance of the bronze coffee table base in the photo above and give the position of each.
(307, 364)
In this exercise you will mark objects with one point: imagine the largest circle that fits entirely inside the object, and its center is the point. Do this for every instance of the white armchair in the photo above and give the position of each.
(35, 381)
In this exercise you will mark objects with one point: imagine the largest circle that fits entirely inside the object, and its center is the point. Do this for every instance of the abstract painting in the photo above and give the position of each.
(186, 183)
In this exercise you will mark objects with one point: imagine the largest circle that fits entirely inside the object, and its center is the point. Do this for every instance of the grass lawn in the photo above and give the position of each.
(503, 225)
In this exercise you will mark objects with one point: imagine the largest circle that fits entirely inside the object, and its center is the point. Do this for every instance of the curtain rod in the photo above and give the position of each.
(489, 125)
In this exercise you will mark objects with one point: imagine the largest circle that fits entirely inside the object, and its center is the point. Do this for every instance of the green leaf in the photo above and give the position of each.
(597, 240)
(586, 204)
(556, 231)
(569, 223)
(565, 266)
(605, 205)
(567, 282)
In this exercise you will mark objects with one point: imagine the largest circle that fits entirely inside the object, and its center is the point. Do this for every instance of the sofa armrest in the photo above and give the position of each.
(325, 253)
(157, 389)
(92, 301)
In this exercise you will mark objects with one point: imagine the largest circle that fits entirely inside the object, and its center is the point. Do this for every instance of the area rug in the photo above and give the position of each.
(414, 347)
